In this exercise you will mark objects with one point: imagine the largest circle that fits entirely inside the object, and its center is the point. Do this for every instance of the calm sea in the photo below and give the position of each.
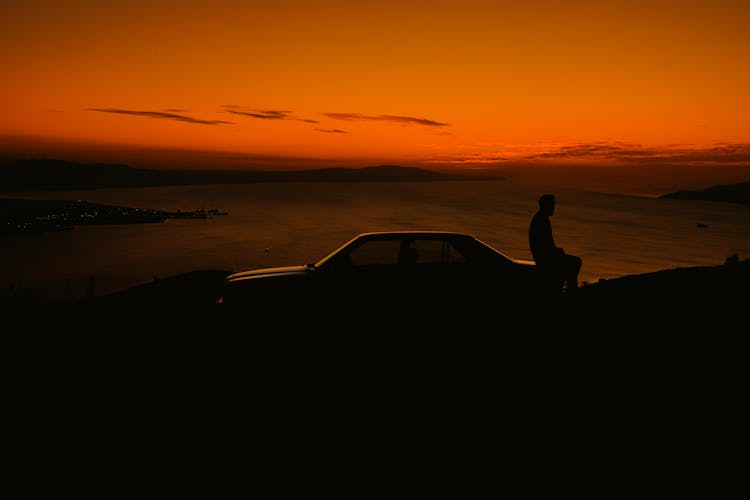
(274, 224)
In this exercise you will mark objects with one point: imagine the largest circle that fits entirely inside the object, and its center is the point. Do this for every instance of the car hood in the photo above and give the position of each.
(271, 271)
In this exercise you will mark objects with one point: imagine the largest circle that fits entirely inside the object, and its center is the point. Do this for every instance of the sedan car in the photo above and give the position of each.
(404, 268)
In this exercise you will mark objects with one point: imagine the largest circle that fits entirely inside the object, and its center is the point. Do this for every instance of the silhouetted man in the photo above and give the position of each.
(550, 258)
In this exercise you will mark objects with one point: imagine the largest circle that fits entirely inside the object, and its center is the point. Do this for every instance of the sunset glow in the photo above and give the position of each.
(450, 83)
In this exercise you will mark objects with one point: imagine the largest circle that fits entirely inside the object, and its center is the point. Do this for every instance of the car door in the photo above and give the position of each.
(370, 274)
(436, 272)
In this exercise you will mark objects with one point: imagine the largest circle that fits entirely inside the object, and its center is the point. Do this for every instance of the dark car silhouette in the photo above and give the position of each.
(391, 269)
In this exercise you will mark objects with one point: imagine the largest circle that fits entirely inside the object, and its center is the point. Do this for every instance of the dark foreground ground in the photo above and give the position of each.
(675, 336)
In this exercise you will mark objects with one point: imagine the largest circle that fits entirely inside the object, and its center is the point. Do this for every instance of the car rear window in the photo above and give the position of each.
(434, 251)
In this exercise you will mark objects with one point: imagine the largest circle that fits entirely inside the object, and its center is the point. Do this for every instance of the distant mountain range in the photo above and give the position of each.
(49, 174)
(732, 193)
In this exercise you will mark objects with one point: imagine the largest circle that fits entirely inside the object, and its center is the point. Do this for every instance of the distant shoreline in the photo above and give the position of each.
(52, 174)
(20, 216)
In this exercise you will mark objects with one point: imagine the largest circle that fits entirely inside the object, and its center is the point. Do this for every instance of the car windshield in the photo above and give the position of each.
(332, 254)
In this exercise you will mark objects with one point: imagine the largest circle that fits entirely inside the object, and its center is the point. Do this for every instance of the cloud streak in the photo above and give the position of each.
(262, 114)
(617, 152)
(283, 114)
(726, 153)
(403, 120)
(162, 115)
(332, 131)
(266, 114)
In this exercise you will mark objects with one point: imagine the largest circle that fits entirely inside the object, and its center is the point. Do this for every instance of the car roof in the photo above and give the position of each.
(401, 234)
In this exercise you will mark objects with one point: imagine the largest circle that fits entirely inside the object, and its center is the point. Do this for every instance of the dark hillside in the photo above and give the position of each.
(730, 193)
(676, 333)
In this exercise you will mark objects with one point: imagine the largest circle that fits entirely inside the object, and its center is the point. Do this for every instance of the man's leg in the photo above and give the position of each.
(551, 272)
(571, 267)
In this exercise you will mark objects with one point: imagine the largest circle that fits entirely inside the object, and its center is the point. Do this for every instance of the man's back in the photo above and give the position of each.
(540, 238)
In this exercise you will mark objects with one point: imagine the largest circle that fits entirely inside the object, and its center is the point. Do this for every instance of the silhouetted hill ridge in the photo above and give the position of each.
(731, 193)
(52, 174)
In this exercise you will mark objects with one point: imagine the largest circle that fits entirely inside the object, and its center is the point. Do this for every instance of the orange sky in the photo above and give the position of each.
(460, 82)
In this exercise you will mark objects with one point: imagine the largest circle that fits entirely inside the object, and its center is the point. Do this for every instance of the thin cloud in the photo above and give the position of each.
(262, 114)
(161, 114)
(594, 150)
(332, 131)
(404, 120)
(266, 114)
(475, 158)
(725, 153)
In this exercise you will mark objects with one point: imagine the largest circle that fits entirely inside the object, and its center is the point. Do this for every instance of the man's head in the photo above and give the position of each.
(547, 204)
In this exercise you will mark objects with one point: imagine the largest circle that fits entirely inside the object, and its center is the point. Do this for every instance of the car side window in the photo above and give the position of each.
(431, 251)
(376, 252)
